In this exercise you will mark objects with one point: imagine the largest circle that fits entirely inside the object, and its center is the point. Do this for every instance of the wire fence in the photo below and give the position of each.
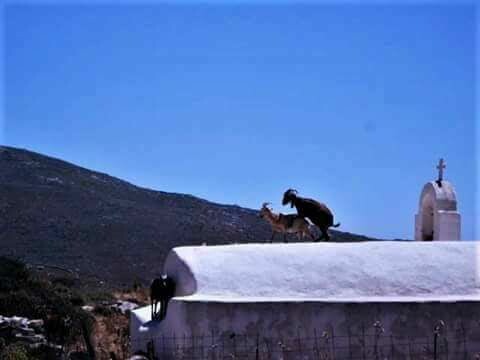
(365, 344)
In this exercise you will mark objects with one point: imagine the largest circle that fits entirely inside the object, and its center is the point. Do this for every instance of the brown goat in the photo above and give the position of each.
(315, 211)
(286, 224)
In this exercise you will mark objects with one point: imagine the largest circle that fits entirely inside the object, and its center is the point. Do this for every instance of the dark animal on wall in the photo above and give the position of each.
(286, 224)
(161, 291)
(315, 211)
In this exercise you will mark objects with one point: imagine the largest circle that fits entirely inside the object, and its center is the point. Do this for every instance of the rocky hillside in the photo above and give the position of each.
(56, 213)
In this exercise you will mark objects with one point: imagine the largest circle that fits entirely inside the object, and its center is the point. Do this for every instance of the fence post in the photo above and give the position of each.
(445, 346)
(464, 341)
(282, 347)
(151, 349)
(223, 347)
(316, 343)
(269, 352)
(193, 346)
(378, 331)
(234, 340)
(257, 357)
(184, 344)
(391, 347)
(410, 357)
(436, 332)
(174, 344)
(299, 342)
(245, 345)
(328, 350)
(163, 345)
(349, 342)
(213, 347)
(363, 342)
(333, 344)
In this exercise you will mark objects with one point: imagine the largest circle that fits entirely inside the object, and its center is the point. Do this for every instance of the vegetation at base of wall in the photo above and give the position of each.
(57, 298)
(23, 294)
(14, 352)
(97, 296)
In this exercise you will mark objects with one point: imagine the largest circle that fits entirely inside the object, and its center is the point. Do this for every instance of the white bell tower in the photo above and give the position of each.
(438, 218)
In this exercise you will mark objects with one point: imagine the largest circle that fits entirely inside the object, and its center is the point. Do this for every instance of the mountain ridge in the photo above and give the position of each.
(58, 213)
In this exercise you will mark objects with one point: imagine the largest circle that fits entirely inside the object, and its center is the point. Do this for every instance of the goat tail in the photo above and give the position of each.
(336, 225)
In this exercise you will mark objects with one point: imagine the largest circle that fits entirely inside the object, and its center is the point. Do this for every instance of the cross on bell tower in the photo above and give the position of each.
(441, 165)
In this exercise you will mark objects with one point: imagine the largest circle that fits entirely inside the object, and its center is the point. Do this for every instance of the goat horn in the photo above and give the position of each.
(265, 204)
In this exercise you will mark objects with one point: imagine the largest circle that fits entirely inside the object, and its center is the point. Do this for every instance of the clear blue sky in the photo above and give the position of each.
(350, 104)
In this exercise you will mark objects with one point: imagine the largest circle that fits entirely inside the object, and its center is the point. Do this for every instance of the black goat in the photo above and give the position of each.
(161, 290)
(318, 213)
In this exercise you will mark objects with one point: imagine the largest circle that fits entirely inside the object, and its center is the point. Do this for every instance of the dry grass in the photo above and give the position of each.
(140, 295)
(111, 331)
(110, 335)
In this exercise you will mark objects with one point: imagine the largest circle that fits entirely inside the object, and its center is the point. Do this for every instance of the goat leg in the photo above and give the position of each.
(324, 235)
(165, 303)
(165, 311)
(273, 235)
(327, 237)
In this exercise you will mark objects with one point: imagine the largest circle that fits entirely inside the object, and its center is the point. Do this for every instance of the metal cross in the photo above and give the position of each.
(441, 165)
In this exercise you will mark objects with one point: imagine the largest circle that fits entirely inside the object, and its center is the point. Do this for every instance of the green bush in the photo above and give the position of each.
(65, 281)
(23, 295)
(21, 303)
(97, 296)
(44, 353)
(103, 310)
(13, 274)
(14, 352)
(77, 299)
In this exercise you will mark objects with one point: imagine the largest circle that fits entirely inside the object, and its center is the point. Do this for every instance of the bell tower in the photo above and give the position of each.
(438, 217)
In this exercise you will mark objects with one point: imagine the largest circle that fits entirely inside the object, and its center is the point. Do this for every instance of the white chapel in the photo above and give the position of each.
(375, 299)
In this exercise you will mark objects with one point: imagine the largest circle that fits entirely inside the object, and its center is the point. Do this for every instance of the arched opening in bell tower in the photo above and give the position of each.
(427, 218)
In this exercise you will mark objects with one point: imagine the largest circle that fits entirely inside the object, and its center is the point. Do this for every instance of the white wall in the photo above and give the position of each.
(286, 322)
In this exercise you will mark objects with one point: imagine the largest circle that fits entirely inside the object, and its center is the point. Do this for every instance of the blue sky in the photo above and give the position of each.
(350, 104)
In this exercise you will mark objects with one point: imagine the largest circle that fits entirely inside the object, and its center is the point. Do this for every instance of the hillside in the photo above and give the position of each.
(55, 213)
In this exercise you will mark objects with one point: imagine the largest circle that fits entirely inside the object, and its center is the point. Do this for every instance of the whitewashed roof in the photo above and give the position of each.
(332, 272)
